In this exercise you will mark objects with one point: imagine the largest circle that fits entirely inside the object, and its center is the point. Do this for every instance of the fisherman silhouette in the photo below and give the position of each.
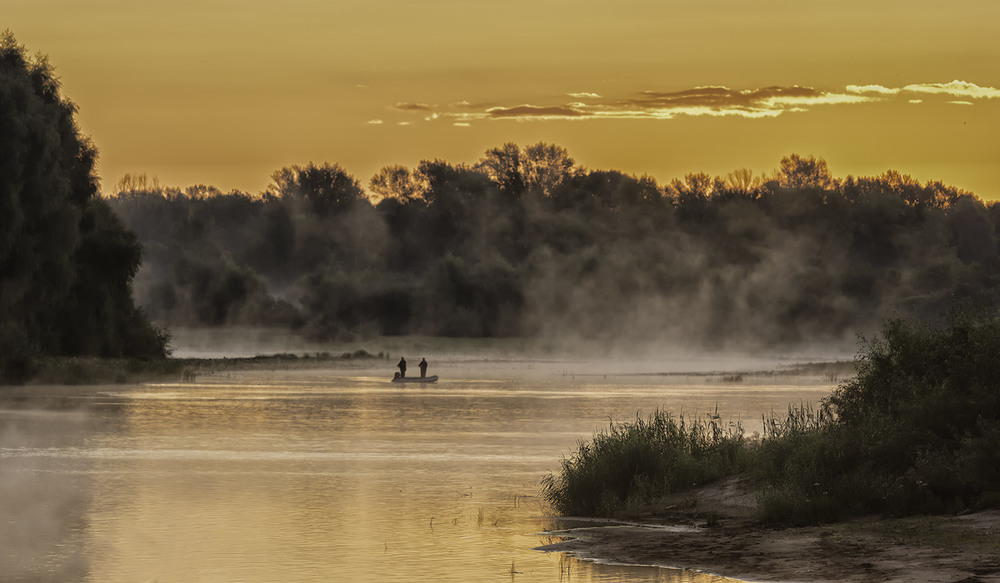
(402, 366)
(423, 367)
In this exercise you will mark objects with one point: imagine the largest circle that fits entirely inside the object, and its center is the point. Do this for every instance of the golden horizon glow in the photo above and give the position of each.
(224, 93)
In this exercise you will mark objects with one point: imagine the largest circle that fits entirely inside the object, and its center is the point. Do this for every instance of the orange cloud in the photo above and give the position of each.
(712, 101)
(533, 111)
(413, 107)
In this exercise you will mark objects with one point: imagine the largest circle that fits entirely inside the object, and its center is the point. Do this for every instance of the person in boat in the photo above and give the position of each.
(402, 366)
(423, 367)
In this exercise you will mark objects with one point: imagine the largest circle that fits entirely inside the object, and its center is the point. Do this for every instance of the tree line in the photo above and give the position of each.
(527, 243)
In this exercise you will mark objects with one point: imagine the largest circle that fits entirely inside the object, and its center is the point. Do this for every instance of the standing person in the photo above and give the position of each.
(423, 367)
(402, 366)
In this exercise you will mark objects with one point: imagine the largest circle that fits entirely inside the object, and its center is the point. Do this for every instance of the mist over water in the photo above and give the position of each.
(525, 244)
(479, 355)
(305, 475)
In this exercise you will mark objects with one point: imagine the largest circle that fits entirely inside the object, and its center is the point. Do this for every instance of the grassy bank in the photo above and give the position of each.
(916, 431)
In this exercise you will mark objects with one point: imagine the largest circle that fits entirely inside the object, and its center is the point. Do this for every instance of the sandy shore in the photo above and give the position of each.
(946, 549)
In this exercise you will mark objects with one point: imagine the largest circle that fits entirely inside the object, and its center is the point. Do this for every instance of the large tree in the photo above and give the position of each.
(327, 187)
(66, 260)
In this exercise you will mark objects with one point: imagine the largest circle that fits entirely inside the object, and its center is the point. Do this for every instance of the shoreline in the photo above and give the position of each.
(717, 535)
(91, 370)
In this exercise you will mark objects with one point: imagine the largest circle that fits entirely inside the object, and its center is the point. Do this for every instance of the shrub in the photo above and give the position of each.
(917, 431)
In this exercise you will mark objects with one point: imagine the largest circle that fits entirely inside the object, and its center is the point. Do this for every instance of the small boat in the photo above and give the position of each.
(399, 379)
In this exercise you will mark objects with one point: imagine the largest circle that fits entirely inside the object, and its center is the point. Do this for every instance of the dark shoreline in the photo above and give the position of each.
(81, 370)
(942, 548)
(721, 537)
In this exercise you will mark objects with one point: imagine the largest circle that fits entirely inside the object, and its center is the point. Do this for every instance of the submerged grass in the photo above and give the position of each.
(917, 431)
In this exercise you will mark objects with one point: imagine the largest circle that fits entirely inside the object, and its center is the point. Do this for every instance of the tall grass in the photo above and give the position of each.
(792, 454)
(632, 463)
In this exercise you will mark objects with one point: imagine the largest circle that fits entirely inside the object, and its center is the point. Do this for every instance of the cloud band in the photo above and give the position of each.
(715, 101)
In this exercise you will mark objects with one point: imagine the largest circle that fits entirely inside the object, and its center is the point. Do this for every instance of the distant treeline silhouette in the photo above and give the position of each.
(527, 243)
(66, 259)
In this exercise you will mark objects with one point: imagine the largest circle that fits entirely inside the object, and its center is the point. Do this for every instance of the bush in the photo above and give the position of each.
(917, 431)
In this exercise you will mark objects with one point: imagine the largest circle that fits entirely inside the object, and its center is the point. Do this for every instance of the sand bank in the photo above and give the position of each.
(719, 536)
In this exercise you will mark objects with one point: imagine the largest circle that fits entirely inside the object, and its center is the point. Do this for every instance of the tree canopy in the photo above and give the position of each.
(67, 259)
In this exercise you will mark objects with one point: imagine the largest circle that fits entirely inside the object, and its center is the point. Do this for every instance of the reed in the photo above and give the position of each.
(799, 420)
(632, 463)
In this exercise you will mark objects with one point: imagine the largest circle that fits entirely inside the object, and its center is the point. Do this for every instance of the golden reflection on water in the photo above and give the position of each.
(311, 476)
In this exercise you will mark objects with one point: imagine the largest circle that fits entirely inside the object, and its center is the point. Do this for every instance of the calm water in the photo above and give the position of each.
(321, 475)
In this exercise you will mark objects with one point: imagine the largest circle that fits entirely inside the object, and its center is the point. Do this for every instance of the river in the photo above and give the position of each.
(325, 475)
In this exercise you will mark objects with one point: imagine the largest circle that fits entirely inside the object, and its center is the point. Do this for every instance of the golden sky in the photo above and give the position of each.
(224, 92)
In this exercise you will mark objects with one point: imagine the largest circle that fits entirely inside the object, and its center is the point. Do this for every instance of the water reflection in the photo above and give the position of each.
(576, 571)
(308, 476)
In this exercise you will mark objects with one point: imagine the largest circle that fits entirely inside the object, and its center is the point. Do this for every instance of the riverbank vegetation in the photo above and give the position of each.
(633, 463)
(916, 431)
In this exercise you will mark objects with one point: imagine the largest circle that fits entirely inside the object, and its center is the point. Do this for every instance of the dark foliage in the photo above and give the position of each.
(66, 260)
(917, 431)
(526, 243)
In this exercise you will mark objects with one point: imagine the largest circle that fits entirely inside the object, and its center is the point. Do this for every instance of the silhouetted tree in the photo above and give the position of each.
(503, 166)
(799, 172)
(692, 196)
(394, 182)
(743, 182)
(545, 166)
(328, 188)
(65, 259)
